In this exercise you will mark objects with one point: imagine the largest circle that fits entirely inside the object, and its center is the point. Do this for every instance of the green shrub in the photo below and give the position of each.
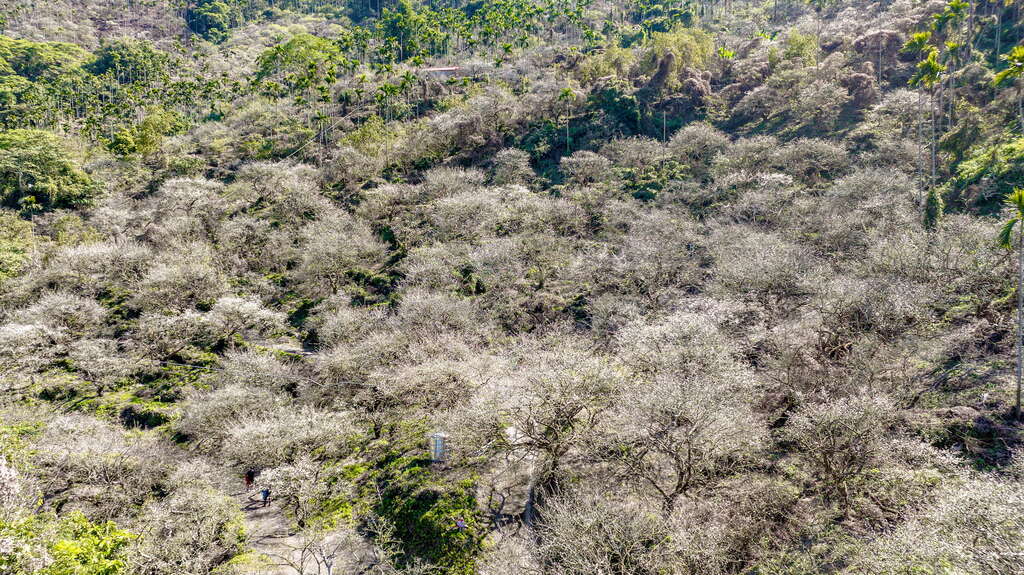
(74, 545)
(688, 47)
(800, 48)
(145, 137)
(16, 242)
(37, 173)
(34, 60)
(211, 19)
(130, 61)
(621, 109)
(989, 174)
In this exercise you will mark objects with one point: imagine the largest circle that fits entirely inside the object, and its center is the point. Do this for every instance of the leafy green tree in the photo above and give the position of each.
(37, 173)
(130, 61)
(658, 16)
(211, 19)
(1015, 200)
(802, 48)
(948, 21)
(145, 137)
(1014, 72)
(36, 60)
(408, 27)
(999, 167)
(918, 45)
(681, 48)
(305, 66)
(30, 76)
(949, 25)
(15, 244)
(619, 107)
(16, 95)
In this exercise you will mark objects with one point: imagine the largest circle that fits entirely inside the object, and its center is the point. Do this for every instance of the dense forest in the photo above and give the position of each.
(496, 287)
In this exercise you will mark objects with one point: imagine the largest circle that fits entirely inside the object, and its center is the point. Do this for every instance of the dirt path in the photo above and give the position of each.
(270, 535)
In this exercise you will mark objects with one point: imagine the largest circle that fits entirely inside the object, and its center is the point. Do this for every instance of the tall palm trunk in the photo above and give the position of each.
(920, 137)
(999, 29)
(1020, 105)
(1020, 317)
(932, 108)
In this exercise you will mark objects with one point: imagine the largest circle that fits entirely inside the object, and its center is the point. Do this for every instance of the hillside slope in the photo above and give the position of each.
(688, 288)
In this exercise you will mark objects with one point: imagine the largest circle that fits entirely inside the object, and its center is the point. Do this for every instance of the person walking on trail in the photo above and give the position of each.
(265, 495)
(250, 478)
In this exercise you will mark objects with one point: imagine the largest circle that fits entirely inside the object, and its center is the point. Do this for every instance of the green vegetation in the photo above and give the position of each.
(210, 19)
(399, 486)
(39, 60)
(37, 174)
(16, 242)
(73, 544)
(989, 174)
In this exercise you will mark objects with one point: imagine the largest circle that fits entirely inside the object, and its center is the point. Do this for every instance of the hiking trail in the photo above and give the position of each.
(270, 534)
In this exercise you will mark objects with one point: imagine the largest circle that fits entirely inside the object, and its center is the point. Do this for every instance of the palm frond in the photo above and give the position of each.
(1015, 199)
(1005, 238)
(1014, 66)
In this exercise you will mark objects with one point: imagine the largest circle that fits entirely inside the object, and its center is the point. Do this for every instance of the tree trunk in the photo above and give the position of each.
(1020, 105)
(1020, 315)
(530, 513)
(952, 103)
(920, 142)
(999, 30)
(970, 33)
(932, 107)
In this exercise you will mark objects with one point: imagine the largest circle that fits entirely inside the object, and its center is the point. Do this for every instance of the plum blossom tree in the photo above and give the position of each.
(841, 439)
(685, 422)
